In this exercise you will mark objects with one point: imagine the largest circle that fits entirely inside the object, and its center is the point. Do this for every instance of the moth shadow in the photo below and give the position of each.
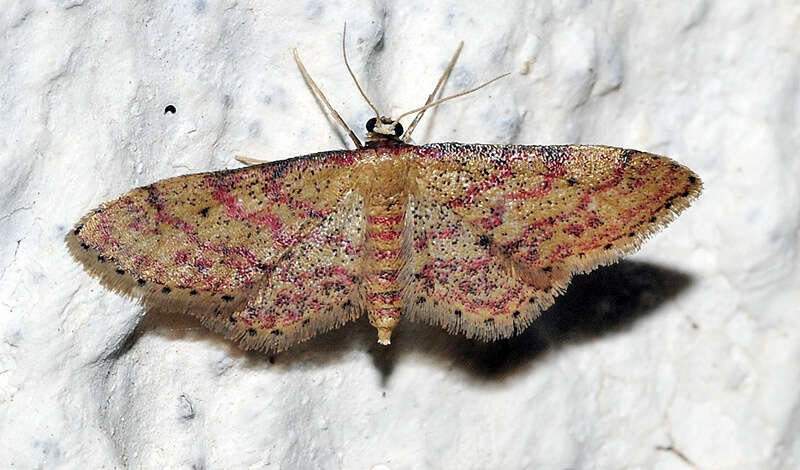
(322, 349)
(606, 301)
(609, 300)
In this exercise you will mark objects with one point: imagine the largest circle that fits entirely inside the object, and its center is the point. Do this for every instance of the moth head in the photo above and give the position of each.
(381, 128)
(385, 128)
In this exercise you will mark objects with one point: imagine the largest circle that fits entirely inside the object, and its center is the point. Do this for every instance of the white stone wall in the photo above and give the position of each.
(685, 354)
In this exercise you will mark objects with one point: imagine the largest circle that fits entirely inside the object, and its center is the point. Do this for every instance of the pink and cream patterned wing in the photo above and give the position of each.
(544, 213)
(201, 243)
(456, 279)
(314, 287)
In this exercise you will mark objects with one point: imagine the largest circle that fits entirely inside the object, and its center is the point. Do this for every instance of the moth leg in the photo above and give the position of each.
(250, 161)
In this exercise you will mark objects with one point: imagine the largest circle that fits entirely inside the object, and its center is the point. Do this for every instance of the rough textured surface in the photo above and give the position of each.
(690, 345)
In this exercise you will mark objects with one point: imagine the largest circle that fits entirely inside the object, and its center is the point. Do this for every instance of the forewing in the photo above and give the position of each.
(547, 212)
(202, 241)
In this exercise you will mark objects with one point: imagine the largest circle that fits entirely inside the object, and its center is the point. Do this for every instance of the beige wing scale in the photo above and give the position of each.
(522, 220)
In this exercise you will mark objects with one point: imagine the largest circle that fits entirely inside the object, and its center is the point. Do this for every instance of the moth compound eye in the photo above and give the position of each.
(371, 125)
(398, 130)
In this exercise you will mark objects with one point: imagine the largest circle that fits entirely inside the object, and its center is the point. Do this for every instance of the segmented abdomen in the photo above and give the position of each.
(385, 221)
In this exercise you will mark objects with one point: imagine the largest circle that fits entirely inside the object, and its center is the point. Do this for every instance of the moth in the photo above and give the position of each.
(476, 238)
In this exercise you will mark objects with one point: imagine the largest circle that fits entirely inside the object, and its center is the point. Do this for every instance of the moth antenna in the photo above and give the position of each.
(442, 79)
(319, 93)
(353, 76)
(438, 102)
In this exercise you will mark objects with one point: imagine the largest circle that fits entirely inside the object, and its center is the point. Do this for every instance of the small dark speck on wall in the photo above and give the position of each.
(170, 109)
